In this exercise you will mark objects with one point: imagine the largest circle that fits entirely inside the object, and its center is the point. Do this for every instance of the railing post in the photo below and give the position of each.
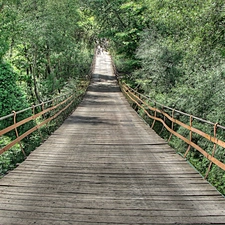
(190, 137)
(44, 117)
(52, 112)
(155, 114)
(33, 109)
(213, 152)
(43, 108)
(171, 125)
(17, 135)
(164, 119)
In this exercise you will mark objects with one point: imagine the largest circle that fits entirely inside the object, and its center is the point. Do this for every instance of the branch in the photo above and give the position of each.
(117, 15)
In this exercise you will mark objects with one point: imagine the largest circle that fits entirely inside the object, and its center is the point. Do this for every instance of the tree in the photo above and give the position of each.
(12, 97)
(120, 21)
(49, 46)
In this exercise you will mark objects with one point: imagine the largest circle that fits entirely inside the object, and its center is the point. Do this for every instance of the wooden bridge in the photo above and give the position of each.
(104, 165)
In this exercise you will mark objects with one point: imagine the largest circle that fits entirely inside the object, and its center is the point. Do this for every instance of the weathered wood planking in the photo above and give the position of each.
(104, 165)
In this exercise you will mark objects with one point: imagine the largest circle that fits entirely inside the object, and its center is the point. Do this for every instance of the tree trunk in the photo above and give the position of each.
(48, 65)
(34, 75)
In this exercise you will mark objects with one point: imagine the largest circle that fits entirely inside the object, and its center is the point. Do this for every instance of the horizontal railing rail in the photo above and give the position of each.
(53, 107)
(158, 113)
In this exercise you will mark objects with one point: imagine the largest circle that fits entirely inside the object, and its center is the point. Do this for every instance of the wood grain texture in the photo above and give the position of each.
(104, 165)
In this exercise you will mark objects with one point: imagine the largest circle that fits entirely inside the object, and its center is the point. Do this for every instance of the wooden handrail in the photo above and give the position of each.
(134, 97)
(67, 101)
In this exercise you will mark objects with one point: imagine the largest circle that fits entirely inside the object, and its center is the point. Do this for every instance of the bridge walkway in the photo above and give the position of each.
(104, 165)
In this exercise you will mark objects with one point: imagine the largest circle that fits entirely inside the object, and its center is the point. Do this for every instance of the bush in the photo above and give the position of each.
(11, 97)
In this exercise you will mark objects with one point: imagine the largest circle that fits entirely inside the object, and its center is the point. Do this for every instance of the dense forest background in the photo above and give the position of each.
(171, 50)
(43, 45)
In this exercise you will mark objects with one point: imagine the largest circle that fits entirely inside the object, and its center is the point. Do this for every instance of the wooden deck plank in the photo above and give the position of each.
(104, 165)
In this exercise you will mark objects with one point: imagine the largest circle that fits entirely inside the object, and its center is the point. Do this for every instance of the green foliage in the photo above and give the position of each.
(9, 159)
(49, 42)
(120, 21)
(7, 19)
(217, 177)
(11, 96)
(159, 63)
